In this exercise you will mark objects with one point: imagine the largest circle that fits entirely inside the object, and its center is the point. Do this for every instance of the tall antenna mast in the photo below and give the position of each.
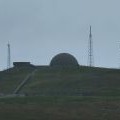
(119, 53)
(8, 57)
(90, 50)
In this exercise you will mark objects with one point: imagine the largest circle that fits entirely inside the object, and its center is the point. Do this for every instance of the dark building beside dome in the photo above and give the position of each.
(22, 64)
(64, 60)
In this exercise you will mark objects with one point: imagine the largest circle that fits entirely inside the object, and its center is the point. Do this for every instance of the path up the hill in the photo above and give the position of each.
(19, 87)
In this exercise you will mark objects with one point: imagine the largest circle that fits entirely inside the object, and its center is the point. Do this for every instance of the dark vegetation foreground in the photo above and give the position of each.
(66, 94)
(60, 108)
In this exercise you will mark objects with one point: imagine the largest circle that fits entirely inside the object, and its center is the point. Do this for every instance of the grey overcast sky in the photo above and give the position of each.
(40, 29)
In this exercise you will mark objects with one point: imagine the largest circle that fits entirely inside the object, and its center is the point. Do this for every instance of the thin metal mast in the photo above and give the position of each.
(8, 57)
(90, 50)
(119, 53)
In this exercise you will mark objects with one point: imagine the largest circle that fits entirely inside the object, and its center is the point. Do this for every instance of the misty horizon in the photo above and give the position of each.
(38, 30)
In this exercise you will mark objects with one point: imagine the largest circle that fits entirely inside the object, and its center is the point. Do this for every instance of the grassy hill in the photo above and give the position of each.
(10, 79)
(83, 81)
(65, 94)
(60, 108)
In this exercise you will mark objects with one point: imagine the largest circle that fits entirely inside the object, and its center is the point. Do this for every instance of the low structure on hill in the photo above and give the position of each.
(64, 60)
(22, 64)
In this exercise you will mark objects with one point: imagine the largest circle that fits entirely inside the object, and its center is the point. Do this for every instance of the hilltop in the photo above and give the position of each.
(83, 81)
(45, 93)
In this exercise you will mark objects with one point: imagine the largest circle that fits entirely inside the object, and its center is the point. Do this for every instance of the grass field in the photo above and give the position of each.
(10, 79)
(84, 81)
(60, 108)
(66, 94)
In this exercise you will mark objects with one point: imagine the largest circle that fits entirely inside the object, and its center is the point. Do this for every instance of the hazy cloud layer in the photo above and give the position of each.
(40, 29)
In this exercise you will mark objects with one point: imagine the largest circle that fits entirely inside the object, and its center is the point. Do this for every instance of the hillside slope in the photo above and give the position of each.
(66, 94)
(10, 79)
(83, 81)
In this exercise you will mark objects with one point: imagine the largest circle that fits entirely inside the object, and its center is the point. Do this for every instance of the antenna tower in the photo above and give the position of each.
(90, 50)
(8, 57)
(119, 53)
